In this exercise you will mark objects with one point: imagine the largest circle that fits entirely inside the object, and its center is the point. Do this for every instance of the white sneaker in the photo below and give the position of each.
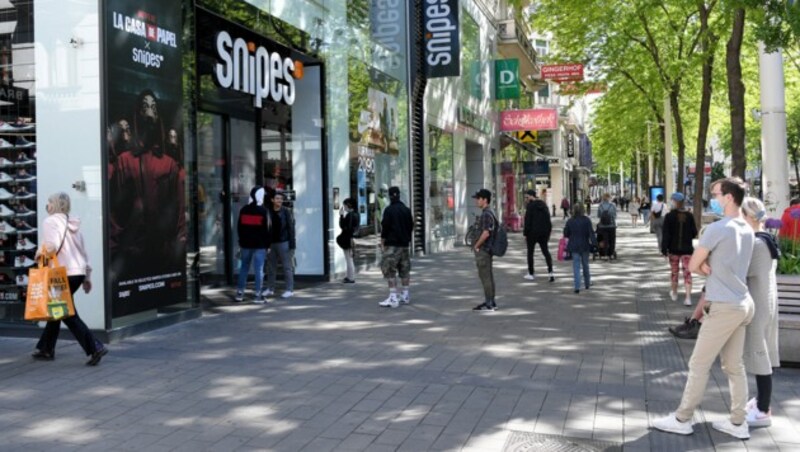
(5, 178)
(239, 296)
(6, 228)
(671, 424)
(390, 302)
(25, 245)
(529, 277)
(6, 212)
(405, 298)
(4, 162)
(23, 261)
(737, 431)
(267, 293)
(5, 194)
(22, 280)
(758, 418)
(287, 294)
(673, 295)
(752, 403)
(5, 144)
(687, 301)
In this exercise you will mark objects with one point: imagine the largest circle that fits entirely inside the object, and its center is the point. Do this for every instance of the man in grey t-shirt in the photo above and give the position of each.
(723, 256)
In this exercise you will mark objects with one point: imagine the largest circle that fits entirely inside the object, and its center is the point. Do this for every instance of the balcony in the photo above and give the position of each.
(513, 42)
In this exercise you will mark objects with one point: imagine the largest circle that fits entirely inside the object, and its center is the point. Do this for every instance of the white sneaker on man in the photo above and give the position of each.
(267, 293)
(671, 424)
(741, 431)
(758, 418)
(405, 298)
(390, 302)
(530, 277)
(287, 294)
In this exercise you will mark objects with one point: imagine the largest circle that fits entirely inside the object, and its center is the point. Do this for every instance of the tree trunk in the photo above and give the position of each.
(736, 93)
(674, 100)
(709, 45)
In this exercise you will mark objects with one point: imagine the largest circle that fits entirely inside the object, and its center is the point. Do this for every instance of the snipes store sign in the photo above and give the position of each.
(441, 28)
(537, 119)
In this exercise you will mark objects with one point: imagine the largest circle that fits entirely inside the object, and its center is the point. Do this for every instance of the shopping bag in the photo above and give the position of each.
(49, 297)
(562, 249)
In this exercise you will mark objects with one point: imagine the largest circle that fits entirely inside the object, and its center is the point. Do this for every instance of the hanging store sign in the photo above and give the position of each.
(563, 72)
(441, 31)
(537, 119)
(506, 75)
(571, 145)
(536, 167)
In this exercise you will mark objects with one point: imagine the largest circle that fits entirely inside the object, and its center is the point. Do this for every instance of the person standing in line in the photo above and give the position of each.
(761, 351)
(487, 224)
(537, 232)
(348, 222)
(657, 213)
(282, 246)
(676, 245)
(581, 239)
(253, 227)
(397, 226)
(644, 210)
(565, 207)
(723, 257)
(61, 236)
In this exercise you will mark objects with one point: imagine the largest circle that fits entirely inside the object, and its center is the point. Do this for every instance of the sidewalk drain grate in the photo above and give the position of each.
(535, 442)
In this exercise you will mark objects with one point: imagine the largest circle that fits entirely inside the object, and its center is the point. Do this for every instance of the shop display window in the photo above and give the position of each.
(441, 195)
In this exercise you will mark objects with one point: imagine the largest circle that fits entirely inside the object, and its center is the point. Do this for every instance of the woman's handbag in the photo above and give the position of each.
(49, 297)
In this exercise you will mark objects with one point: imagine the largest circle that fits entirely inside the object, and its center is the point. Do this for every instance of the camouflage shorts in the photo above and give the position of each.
(396, 260)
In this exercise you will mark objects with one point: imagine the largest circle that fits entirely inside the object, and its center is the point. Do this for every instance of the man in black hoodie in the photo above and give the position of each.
(254, 239)
(396, 228)
(537, 232)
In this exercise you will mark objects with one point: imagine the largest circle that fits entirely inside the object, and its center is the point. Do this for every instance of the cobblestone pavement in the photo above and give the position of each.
(330, 370)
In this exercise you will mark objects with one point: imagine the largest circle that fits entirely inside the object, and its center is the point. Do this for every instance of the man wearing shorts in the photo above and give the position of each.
(396, 228)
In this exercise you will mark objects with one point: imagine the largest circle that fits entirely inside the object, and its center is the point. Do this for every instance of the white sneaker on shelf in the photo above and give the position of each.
(6, 212)
(529, 277)
(758, 418)
(4, 162)
(671, 424)
(390, 302)
(673, 295)
(22, 280)
(23, 261)
(4, 144)
(287, 294)
(5, 194)
(741, 431)
(6, 228)
(5, 178)
(687, 301)
(25, 245)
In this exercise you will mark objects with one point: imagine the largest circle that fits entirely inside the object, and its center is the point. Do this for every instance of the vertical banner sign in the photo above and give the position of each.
(441, 27)
(145, 220)
(571, 145)
(506, 76)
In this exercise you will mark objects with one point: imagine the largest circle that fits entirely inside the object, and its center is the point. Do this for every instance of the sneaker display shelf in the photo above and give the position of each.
(17, 212)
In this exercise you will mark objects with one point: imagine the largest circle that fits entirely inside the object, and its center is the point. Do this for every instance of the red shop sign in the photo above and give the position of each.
(539, 119)
(563, 72)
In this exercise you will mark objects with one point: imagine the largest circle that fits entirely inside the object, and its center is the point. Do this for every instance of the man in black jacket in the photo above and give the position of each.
(537, 232)
(254, 239)
(396, 228)
(282, 247)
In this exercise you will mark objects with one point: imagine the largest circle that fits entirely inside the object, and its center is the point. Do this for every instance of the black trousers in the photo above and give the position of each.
(90, 344)
(542, 242)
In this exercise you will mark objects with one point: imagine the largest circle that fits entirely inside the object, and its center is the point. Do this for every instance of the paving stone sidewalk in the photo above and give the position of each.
(330, 370)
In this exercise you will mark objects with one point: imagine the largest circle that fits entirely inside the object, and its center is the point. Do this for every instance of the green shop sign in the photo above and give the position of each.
(506, 76)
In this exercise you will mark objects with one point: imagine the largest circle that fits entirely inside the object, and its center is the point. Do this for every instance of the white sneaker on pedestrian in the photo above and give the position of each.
(673, 295)
(687, 301)
(267, 293)
(405, 298)
(752, 403)
(287, 294)
(737, 431)
(259, 300)
(390, 302)
(239, 296)
(758, 418)
(671, 424)
(530, 277)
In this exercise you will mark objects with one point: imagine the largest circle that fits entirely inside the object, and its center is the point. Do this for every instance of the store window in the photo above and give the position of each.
(441, 196)
(471, 69)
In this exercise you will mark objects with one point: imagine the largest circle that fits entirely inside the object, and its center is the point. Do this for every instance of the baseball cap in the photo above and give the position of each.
(482, 193)
(531, 193)
(677, 197)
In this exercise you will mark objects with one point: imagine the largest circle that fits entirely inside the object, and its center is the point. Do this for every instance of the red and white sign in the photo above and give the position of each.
(538, 119)
(563, 72)
(706, 169)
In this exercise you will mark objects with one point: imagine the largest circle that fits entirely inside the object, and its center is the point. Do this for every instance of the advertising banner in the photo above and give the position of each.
(563, 72)
(145, 219)
(537, 119)
(441, 28)
(506, 75)
(536, 167)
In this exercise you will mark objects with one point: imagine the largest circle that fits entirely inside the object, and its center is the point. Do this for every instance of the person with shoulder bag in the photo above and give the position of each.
(657, 219)
(349, 223)
(581, 239)
(61, 237)
(676, 245)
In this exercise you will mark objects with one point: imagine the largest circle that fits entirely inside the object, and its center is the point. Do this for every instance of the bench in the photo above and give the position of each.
(789, 319)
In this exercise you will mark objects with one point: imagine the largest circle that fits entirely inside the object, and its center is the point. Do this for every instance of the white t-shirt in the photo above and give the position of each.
(658, 207)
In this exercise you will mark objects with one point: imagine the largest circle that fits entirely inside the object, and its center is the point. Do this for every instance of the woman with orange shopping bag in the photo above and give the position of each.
(61, 236)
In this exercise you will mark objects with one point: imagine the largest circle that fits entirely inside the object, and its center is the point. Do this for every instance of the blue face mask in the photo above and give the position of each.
(716, 207)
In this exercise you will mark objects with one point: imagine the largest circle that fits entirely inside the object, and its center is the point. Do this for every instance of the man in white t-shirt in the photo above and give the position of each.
(723, 257)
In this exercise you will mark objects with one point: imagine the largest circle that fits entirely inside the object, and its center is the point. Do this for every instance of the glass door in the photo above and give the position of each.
(213, 198)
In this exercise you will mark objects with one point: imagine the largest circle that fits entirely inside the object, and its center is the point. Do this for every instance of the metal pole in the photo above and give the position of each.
(774, 158)
(621, 179)
(609, 179)
(669, 183)
(649, 159)
(638, 174)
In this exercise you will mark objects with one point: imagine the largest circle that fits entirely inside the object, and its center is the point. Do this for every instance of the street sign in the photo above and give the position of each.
(563, 72)
(506, 75)
(528, 136)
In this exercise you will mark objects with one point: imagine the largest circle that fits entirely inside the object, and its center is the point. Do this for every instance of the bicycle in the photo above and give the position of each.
(472, 232)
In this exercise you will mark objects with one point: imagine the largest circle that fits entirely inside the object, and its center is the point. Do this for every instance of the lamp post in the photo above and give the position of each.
(775, 169)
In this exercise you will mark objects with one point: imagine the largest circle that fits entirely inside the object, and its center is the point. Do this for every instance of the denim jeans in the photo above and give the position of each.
(256, 255)
(579, 259)
(281, 250)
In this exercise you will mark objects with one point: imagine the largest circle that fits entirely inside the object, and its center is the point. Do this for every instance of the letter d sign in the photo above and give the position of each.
(507, 79)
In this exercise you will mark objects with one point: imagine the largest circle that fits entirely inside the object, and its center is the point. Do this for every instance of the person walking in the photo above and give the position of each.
(761, 337)
(487, 225)
(723, 256)
(397, 225)
(253, 226)
(581, 237)
(676, 245)
(644, 210)
(565, 207)
(657, 213)
(282, 246)
(634, 211)
(349, 223)
(61, 236)
(607, 224)
(537, 232)
(588, 202)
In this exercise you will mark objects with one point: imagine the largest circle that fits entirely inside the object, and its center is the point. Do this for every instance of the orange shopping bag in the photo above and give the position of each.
(48, 297)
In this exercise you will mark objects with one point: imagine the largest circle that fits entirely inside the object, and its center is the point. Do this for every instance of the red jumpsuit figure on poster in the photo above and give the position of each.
(148, 226)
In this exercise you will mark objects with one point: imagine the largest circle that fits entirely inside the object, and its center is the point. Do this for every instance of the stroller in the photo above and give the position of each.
(606, 243)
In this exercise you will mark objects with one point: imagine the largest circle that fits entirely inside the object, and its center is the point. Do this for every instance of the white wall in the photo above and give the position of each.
(68, 129)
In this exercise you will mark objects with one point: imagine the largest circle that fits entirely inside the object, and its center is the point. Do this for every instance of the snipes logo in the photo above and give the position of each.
(441, 38)
(255, 70)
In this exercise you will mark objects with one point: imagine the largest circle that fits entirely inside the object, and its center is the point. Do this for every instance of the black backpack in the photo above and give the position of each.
(499, 244)
(605, 217)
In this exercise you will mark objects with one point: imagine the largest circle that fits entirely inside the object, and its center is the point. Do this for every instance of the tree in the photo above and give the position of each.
(736, 92)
